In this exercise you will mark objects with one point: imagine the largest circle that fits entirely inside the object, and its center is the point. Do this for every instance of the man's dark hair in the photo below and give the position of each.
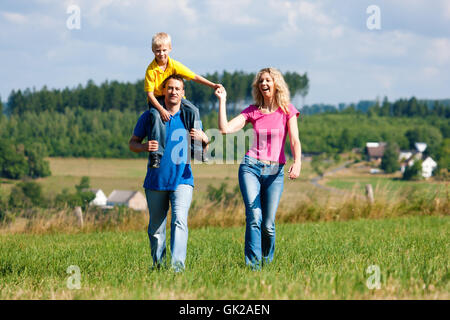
(173, 76)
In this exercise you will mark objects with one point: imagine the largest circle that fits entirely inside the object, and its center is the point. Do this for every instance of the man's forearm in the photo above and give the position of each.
(136, 146)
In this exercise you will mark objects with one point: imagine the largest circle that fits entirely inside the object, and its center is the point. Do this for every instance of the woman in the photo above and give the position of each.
(261, 171)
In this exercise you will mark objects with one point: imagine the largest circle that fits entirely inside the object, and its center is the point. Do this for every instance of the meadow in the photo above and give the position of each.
(325, 242)
(324, 260)
(355, 178)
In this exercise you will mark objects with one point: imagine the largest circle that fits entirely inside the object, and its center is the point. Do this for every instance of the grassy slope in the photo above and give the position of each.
(313, 260)
(390, 185)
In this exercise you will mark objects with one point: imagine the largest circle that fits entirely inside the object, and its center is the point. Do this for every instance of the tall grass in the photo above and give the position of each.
(222, 207)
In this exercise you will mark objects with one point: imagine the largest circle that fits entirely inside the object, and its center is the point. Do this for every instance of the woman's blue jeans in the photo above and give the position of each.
(261, 187)
(158, 206)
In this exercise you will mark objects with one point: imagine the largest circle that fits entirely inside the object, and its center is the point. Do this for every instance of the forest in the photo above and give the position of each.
(131, 96)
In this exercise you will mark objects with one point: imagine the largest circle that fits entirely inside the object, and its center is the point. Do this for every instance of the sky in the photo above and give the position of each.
(346, 61)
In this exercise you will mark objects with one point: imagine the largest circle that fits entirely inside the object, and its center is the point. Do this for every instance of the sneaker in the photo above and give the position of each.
(155, 160)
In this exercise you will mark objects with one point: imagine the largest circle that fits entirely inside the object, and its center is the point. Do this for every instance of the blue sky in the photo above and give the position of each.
(345, 61)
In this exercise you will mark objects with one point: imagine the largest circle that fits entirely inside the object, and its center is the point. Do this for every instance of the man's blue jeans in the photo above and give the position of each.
(158, 206)
(261, 187)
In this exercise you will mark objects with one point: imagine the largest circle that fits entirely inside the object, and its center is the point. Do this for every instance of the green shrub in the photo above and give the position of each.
(413, 172)
(27, 194)
(389, 161)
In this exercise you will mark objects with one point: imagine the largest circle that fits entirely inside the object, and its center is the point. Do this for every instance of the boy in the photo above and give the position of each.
(158, 70)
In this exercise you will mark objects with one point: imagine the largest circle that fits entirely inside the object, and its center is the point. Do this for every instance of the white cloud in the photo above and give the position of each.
(116, 54)
(301, 14)
(235, 12)
(430, 72)
(313, 12)
(385, 80)
(446, 9)
(439, 51)
(13, 17)
(393, 45)
(337, 32)
(168, 10)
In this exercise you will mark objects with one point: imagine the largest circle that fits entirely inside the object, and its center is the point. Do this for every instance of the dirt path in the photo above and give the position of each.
(315, 180)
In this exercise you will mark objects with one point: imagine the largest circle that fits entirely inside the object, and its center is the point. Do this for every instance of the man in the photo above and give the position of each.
(173, 181)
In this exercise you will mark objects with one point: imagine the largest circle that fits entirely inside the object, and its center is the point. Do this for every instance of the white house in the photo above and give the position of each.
(375, 150)
(404, 155)
(131, 199)
(420, 146)
(428, 165)
(100, 198)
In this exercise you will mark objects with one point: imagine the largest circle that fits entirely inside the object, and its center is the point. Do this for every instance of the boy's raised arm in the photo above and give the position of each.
(206, 82)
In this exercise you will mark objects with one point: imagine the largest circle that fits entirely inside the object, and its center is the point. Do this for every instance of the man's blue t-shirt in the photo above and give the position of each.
(174, 169)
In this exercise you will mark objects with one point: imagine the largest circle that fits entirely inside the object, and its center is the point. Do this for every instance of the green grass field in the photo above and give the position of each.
(128, 174)
(389, 186)
(326, 260)
(314, 260)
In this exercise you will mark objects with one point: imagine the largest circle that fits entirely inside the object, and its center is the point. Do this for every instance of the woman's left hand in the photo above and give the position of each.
(294, 170)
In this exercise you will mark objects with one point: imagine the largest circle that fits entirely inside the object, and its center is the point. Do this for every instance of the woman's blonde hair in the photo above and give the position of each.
(282, 95)
(161, 38)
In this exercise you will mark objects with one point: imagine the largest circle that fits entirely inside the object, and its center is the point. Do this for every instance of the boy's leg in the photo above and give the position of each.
(197, 151)
(157, 131)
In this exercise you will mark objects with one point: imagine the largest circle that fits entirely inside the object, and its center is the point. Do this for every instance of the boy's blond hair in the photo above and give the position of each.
(161, 38)
(282, 95)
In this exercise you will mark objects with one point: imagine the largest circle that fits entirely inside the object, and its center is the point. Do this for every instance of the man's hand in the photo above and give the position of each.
(151, 145)
(165, 115)
(199, 135)
(137, 146)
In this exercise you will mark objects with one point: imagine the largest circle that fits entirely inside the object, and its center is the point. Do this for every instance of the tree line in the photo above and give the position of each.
(400, 108)
(409, 108)
(114, 95)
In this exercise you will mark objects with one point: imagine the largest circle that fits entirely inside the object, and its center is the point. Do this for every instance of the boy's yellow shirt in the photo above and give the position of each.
(154, 76)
